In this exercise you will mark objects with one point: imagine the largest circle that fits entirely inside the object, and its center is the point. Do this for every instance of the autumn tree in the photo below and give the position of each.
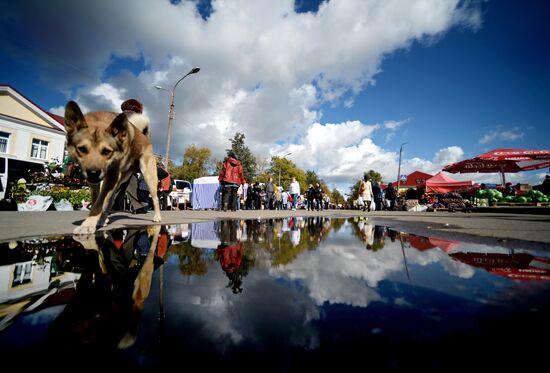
(354, 189)
(336, 197)
(197, 162)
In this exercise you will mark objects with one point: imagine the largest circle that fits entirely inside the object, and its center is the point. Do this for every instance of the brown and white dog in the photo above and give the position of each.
(109, 150)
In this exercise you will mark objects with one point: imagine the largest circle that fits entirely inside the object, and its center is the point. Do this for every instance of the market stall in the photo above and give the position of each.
(206, 193)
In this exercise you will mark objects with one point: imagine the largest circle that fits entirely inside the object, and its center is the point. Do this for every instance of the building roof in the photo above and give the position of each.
(56, 122)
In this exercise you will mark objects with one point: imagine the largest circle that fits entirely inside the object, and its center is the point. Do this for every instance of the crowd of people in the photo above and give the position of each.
(237, 193)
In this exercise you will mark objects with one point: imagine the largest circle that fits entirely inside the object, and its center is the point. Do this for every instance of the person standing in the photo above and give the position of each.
(278, 191)
(319, 197)
(139, 198)
(284, 200)
(230, 177)
(245, 196)
(377, 195)
(294, 191)
(545, 186)
(391, 195)
(310, 195)
(165, 186)
(366, 192)
(269, 194)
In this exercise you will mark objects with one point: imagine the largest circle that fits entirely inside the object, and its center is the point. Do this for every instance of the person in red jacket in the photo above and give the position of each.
(230, 177)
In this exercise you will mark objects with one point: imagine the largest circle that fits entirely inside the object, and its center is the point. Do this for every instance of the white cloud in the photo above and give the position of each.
(449, 155)
(266, 71)
(499, 135)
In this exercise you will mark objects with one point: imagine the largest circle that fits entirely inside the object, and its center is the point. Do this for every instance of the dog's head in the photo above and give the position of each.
(98, 141)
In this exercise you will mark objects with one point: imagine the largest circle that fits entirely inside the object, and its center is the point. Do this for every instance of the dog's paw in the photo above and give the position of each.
(84, 230)
(157, 218)
(88, 241)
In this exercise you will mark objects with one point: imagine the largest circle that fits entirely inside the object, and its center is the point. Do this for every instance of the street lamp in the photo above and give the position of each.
(399, 168)
(172, 92)
(280, 169)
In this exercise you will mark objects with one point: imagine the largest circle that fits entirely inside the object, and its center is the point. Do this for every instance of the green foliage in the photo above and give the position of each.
(74, 196)
(354, 191)
(312, 178)
(337, 197)
(191, 259)
(19, 192)
(197, 162)
(374, 176)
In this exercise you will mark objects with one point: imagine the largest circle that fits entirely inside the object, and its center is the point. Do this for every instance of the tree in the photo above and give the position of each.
(354, 189)
(196, 163)
(311, 177)
(244, 155)
(337, 197)
(374, 176)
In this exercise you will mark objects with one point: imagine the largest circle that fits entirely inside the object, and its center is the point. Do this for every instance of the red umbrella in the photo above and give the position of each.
(515, 154)
(444, 245)
(520, 266)
(503, 160)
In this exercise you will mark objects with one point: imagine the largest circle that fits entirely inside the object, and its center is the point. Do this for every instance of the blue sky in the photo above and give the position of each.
(339, 84)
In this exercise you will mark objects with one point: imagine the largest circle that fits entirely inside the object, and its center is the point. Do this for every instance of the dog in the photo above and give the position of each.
(109, 150)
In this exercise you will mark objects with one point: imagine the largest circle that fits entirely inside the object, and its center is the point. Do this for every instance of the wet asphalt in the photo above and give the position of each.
(510, 229)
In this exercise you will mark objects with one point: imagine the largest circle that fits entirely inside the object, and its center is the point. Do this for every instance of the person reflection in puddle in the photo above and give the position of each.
(110, 294)
(230, 253)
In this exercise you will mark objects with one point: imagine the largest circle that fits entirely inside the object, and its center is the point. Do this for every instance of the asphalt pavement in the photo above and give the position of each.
(493, 228)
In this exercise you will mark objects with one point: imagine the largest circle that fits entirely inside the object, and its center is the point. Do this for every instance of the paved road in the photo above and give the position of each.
(504, 229)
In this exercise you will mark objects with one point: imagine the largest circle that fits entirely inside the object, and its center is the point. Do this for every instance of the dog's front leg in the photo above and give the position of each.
(148, 168)
(94, 188)
(100, 207)
(142, 283)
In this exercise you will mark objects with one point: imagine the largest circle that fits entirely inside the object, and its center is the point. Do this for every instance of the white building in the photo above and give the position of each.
(29, 137)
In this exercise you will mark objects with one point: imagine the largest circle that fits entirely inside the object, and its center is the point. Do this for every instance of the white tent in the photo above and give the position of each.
(206, 193)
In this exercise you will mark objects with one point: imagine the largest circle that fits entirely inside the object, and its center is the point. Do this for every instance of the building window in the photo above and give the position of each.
(39, 149)
(4, 138)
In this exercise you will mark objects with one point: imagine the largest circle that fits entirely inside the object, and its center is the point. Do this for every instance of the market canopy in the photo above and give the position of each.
(442, 183)
(503, 160)
(416, 179)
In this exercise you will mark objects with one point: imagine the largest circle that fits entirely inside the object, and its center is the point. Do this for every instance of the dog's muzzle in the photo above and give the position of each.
(94, 176)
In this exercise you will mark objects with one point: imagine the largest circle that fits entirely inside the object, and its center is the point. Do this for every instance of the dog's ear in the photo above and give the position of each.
(74, 119)
(119, 127)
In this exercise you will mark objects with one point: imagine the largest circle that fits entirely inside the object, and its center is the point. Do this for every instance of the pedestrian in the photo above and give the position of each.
(137, 192)
(269, 194)
(391, 195)
(294, 191)
(231, 176)
(365, 192)
(165, 186)
(284, 200)
(310, 196)
(377, 195)
(545, 186)
(318, 197)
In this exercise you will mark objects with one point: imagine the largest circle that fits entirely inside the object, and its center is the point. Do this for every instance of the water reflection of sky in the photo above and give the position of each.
(289, 290)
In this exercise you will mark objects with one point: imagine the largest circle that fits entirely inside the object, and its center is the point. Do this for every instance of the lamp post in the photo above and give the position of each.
(399, 168)
(280, 169)
(172, 92)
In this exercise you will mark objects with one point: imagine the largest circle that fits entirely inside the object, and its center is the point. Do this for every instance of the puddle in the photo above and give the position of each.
(279, 294)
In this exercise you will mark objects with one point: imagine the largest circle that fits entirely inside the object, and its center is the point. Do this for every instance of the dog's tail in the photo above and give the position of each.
(140, 121)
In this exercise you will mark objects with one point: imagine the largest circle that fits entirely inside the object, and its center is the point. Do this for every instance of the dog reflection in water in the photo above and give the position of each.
(110, 294)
